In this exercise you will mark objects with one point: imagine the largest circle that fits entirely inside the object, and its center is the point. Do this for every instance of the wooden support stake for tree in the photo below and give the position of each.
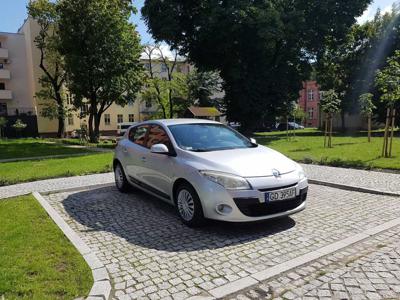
(384, 148)
(369, 128)
(392, 131)
(330, 131)
(326, 130)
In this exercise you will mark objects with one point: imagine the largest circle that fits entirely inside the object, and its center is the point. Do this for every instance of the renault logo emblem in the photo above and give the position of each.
(276, 173)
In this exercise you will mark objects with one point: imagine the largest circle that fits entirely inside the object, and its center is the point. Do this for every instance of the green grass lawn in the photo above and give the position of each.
(348, 151)
(20, 148)
(24, 171)
(36, 260)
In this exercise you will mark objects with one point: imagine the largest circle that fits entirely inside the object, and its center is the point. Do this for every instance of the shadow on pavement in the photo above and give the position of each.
(148, 222)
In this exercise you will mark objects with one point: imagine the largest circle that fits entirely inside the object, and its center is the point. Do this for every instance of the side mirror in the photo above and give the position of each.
(253, 141)
(159, 149)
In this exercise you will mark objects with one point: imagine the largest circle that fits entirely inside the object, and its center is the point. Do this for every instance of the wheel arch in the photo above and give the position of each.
(177, 183)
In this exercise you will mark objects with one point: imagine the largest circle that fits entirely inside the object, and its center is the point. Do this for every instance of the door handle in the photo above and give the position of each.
(143, 158)
(124, 150)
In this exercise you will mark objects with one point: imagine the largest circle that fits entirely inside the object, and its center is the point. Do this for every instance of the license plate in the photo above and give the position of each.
(280, 195)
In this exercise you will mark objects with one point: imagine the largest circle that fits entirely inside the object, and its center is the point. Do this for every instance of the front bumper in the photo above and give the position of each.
(250, 205)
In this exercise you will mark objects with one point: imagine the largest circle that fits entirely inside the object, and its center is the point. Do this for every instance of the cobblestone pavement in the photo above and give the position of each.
(49, 185)
(367, 270)
(384, 182)
(150, 254)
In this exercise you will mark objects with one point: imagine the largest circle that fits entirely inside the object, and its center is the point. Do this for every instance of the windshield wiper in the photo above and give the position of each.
(199, 150)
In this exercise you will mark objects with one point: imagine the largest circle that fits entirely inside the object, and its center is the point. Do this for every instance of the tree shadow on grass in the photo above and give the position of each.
(148, 222)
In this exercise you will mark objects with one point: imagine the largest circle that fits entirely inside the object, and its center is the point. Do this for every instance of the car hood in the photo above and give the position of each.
(249, 162)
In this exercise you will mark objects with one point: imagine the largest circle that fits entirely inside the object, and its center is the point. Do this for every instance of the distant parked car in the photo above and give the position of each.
(290, 126)
(123, 127)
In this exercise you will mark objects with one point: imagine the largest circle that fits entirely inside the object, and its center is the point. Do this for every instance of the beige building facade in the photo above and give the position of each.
(19, 83)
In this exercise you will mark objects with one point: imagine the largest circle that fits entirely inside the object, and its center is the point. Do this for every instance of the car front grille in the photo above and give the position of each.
(252, 207)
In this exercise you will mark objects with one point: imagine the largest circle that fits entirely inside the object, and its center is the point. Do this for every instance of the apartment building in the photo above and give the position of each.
(19, 83)
(309, 100)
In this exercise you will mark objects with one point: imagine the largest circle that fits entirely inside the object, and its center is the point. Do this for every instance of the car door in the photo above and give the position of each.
(135, 152)
(159, 167)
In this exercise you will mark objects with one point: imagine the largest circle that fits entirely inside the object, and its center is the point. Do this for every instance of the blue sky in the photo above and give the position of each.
(13, 13)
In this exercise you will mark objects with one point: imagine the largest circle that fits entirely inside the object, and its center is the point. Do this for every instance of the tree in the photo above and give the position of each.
(262, 49)
(367, 107)
(203, 85)
(44, 12)
(3, 123)
(165, 86)
(388, 83)
(102, 55)
(19, 126)
(350, 66)
(330, 105)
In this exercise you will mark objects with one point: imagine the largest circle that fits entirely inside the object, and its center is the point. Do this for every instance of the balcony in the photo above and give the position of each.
(5, 74)
(5, 95)
(3, 53)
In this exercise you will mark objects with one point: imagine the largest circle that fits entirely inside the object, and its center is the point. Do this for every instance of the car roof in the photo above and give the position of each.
(168, 122)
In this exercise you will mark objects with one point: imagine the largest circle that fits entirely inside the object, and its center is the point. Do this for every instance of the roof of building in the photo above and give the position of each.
(204, 111)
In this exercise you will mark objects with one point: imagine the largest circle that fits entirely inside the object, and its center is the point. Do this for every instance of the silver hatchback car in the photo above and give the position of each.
(208, 171)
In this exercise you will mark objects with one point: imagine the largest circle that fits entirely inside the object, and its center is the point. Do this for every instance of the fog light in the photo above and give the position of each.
(223, 209)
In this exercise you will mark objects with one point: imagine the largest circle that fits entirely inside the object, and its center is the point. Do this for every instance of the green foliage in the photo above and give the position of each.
(350, 66)
(102, 51)
(262, 49)
(19, 125)
(36, 260)
(388, 80)
(366, 104)
(202, 85)
(330, 102)
(299, 114)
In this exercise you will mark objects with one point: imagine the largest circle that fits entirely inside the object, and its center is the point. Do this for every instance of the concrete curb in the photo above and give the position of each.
(256, 278)
(353, 188)
(78, 188)
(101, 288)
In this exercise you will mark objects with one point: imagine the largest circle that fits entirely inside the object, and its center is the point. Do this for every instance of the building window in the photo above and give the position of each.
(164, 67)
(311, 113)
(321, 95)
(120, 118)
(71, 121)
(69, 98)
(107, 119)
(131, 118)
(131, 103)
(2, 86)
(3, 109)
(147, 66)
(148, 104)
(310, 94)
(84, 109)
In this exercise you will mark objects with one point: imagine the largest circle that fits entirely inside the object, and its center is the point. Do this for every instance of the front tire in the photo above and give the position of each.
(121, 182)
(188, 206)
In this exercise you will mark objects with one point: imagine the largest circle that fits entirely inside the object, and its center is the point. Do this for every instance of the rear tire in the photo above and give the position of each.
(188, 206)
(121, 182)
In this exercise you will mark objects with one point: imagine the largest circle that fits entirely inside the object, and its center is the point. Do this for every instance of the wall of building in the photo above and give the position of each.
(309, 100)
(21, 101)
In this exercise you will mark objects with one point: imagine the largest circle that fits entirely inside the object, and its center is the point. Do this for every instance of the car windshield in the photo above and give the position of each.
(208, 137)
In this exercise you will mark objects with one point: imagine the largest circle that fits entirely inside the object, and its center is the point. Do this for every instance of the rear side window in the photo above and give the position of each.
(138, 135)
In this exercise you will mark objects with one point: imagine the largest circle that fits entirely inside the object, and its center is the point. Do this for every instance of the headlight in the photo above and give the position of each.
(228, 181)
(300, 171)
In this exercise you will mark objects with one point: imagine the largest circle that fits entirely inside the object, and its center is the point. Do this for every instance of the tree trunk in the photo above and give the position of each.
(392, 131)
(287, 128)
(330, 131)
(61, 127)
(342, 116)
(96, 130)
(369, 128)
(171, 105)
(90, 128)
(385, 137)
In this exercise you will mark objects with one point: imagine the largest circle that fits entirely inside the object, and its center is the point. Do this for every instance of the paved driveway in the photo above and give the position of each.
(149, 253)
